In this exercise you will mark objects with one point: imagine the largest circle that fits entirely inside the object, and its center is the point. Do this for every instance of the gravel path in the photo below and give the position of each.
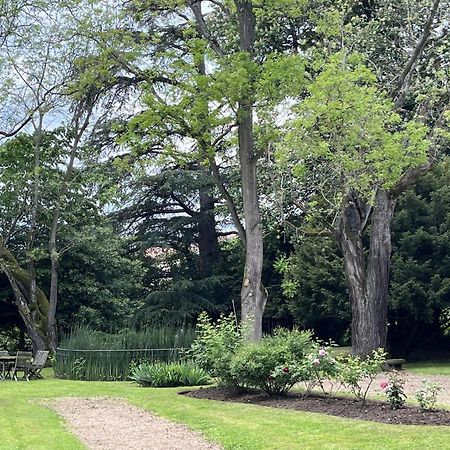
(112, 424)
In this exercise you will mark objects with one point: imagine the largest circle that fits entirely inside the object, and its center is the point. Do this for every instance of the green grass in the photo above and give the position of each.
(26, 424)
(429, 367)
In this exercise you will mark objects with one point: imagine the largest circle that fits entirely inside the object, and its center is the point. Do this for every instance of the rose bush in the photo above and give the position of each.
(276, 363)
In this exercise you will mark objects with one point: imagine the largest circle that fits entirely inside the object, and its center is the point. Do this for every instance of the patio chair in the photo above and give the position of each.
(38, 363)
(4, 365)
(22, 364)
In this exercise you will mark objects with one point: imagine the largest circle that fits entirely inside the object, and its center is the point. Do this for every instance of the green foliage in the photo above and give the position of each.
(78, 368)
(315, 288)
(168, 375)
(94, 355)
(322, 366)
(358, 374)
(155, 336)
(394, 390)
(215, 345)
(350, 126)
(427, 393)
(276, 363)
(100, 284)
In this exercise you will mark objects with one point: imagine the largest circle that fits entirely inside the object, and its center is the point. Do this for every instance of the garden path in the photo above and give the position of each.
(113, 424)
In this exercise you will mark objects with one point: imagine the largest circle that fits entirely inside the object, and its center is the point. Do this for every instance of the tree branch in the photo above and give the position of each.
(227, 197)
(410, 176)
(403, 82)
(195, 6)
(183, 205)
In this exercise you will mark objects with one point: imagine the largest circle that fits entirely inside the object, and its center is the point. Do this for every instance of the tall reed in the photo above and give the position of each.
(88, 354)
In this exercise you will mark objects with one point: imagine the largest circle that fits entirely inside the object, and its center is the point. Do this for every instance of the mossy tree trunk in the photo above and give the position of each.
(33, 309)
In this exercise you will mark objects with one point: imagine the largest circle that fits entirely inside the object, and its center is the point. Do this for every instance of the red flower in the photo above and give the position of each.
(286, 370)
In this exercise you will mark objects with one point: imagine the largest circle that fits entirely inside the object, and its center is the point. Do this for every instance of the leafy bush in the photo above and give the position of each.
(427, 394)
(358, 374)
(321, 366)
(215, 345)
(168, 375)
(276, 363)
(394, 390)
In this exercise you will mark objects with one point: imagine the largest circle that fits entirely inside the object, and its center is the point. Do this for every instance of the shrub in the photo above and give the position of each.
(394, 390)
(275, 364)
(358, 374)
(427, 394)
(168, 375)
(215, 345)
(321, 366)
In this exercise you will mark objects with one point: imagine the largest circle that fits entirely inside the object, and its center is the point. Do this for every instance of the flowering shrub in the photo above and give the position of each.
(394, 390)
(358, 374)
(276, 363)
(427, 394)
(214, 347)
(321, 366)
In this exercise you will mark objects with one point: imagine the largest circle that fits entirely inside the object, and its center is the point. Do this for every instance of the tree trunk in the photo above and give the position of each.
(51, 320)
(33, 313)
(37, 144)
(79, 128)
(208, 243)
(367, 274)
(253, 294)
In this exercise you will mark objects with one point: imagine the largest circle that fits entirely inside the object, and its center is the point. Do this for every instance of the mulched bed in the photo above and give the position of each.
(342, 407)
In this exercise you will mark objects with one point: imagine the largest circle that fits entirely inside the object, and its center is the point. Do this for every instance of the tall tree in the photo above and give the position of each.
(373, 163)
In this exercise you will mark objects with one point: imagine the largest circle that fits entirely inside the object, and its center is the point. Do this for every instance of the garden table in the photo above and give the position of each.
(5, 361)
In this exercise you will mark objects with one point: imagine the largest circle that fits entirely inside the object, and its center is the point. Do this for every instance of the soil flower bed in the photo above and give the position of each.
(336, 406)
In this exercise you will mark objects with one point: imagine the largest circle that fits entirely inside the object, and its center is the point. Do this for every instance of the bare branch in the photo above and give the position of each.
(228, 198)
(196, 7)
(404, 80)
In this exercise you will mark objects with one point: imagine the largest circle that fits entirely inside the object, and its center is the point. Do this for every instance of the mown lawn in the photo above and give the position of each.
(429, 367)
(26, 424)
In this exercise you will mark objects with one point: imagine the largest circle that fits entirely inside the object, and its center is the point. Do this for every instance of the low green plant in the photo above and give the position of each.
(358, 374)
(394, 390)
(79, 369)
(426, 395)
(215, 345)
(168, 375)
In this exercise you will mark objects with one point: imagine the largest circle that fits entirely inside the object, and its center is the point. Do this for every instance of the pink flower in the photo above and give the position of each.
(384, 384)
(286, 370)
(316, 361)
(322, 352)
